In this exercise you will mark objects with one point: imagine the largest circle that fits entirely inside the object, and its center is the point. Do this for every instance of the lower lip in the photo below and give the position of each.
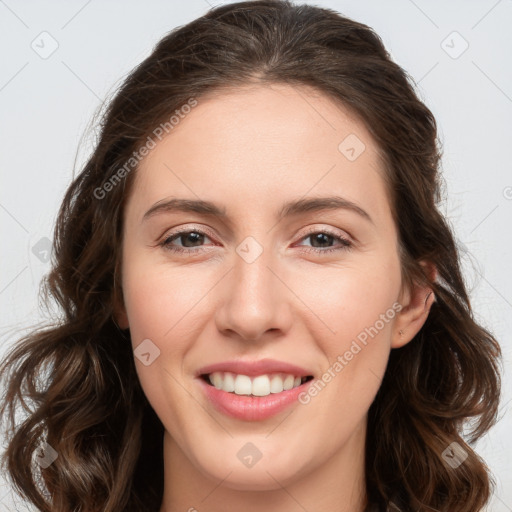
(251, 408)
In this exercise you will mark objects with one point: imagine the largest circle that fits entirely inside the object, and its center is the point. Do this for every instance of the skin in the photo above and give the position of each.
(250, 150)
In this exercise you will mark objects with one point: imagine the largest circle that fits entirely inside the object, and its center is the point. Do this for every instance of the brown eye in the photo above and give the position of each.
(190, 241)
(321, 242)
(187, 238)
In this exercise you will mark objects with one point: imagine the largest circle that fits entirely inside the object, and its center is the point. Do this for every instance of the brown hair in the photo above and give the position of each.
(77, 380)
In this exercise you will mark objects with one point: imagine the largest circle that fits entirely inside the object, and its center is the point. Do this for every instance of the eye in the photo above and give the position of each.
(189, 240)
(321, 242)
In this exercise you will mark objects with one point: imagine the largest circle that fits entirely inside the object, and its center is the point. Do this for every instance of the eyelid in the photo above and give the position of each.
(312, 229)
(328, 230)
(186, 228)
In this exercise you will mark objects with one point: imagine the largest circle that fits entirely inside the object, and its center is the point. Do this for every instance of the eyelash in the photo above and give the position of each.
(345, 243)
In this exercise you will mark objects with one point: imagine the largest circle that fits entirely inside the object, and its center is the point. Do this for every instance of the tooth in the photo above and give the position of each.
(288, 382)
(229, 382)
(261, 386)
(243, 385)
(216, 379)
(276, 384)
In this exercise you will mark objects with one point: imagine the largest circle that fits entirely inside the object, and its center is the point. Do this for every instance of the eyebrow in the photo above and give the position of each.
(291, 208)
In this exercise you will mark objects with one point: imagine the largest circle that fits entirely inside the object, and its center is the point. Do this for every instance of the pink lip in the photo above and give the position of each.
(253, 368)
(251, 408)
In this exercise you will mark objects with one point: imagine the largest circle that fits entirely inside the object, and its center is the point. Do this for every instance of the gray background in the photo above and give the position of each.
(47, 103)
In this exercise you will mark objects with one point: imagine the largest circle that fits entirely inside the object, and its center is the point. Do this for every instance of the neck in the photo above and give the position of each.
(338, 484)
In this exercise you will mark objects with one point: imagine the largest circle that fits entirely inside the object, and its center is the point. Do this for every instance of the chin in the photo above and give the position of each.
(265, 475)
(259, 480)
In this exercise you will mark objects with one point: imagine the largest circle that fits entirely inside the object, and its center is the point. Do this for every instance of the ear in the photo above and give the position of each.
(416, 303)
(119, 310)
(120, 316)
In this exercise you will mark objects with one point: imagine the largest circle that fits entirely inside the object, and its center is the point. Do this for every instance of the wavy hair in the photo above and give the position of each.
(75, 379)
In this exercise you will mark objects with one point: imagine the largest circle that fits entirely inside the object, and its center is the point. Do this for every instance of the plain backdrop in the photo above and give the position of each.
(60, 59)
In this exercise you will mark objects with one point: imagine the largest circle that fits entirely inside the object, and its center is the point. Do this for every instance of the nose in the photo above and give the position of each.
(255, 302)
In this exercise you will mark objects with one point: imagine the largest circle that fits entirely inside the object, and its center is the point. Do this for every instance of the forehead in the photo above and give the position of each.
(258, 143)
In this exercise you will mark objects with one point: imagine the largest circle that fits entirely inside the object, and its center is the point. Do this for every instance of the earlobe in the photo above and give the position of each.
(414, 312)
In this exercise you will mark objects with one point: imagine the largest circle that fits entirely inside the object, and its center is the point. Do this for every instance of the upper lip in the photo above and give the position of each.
(253, 368)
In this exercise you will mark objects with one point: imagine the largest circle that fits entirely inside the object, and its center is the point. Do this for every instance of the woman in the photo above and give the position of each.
(263, 306)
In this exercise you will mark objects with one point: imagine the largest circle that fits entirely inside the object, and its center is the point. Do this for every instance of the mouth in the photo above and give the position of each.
(253, 390)
(255, 385)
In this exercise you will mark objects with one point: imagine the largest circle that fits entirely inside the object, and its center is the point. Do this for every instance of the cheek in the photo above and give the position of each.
(160, 301)
(356, 306)
(162, 305)
(347, 300)
(334, 302)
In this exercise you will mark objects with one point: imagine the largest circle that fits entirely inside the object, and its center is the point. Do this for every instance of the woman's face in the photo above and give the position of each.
(261, 278)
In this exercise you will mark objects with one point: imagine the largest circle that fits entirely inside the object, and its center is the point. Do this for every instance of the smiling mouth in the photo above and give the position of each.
(259, 385)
